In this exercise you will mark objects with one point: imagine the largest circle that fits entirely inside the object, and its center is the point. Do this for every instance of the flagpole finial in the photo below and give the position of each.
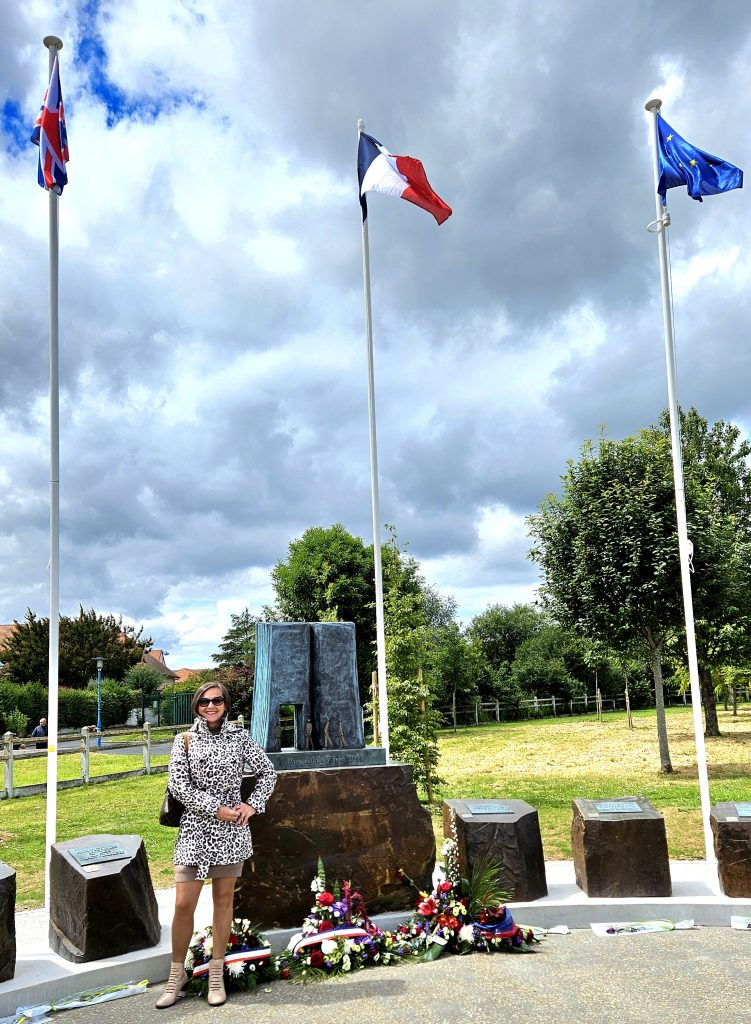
(654, 104)
(53, 43)
(360, 124)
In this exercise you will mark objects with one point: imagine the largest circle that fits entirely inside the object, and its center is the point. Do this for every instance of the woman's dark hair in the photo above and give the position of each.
(212, 686)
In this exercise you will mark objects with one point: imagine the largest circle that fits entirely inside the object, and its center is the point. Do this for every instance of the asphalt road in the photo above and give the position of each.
(687, 977)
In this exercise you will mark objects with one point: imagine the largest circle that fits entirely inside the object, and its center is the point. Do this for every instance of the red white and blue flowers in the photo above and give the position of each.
(337, 936)
(248, 959)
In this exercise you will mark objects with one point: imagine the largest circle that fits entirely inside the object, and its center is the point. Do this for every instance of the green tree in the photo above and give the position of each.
(413, 722)
(238, 647)
(542, 664)
(607, 549)
(495, 635)
(455, 667)
(329, 574)
(25, 654)
(718, 512)
(143, 678)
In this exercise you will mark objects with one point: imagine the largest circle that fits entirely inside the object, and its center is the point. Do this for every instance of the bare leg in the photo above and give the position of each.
(186, 898)
(222, 890)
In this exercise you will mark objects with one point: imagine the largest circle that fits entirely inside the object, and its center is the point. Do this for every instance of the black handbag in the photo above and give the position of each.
(172, 809)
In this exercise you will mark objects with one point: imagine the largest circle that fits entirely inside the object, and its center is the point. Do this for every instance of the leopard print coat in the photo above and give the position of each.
(206, 778)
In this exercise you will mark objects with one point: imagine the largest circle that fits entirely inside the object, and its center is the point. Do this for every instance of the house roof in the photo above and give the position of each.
(158, 664)
(6, 632)
(185, 673)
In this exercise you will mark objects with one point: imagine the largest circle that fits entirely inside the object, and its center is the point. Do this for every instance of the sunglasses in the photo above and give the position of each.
(203, 702)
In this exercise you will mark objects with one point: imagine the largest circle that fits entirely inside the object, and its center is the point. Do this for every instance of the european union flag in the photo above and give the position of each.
(684, 164)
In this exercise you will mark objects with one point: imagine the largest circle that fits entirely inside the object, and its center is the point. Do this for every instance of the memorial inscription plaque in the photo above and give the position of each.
(731, 828)
(620, 848)
(475, 807)
(507, 832)
(99, 854)
(102, 904)
(617, 806)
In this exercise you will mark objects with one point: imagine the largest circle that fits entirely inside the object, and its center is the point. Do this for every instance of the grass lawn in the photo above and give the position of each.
(546, 762)
(549, 762)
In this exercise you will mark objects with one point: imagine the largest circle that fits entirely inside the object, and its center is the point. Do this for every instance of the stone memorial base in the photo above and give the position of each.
(732, 846)
(366, 823)
(297, 760)
(620, 852)
(7, 922)
(101, 907)
(507, 831)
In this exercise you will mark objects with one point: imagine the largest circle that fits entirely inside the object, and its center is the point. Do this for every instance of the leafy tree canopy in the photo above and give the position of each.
(25, 654)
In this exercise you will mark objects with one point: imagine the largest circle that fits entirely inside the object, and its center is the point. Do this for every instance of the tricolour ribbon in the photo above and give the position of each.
(242, 956)
(332, 933)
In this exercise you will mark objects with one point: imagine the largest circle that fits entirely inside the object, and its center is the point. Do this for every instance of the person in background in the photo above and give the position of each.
(40, 730)
(205, 771)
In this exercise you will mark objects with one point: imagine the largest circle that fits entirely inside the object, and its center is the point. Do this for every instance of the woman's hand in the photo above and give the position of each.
(245, 812)
(229, 814)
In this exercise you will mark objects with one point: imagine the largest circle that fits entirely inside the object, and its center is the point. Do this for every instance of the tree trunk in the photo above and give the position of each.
(666, 765)
(711, 725)
(735, 701)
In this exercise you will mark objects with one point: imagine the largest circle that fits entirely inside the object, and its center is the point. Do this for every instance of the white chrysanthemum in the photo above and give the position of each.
(348, 944)
(294, 940)
(346, 963)
(236, 968)
(209, 944)
(328, 946)
(467, 933)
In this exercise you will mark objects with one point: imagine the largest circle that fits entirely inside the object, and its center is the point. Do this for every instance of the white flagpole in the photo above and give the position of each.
(661, 225)
(383, 707)
(54, 45)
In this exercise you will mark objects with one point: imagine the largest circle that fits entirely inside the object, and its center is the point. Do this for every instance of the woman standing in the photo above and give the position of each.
(205, 770)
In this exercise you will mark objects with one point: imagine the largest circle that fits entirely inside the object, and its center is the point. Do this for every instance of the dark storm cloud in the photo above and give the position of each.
(214, 401)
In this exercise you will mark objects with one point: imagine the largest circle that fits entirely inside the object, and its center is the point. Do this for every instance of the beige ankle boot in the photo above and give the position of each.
(177, 979)
(216, 995)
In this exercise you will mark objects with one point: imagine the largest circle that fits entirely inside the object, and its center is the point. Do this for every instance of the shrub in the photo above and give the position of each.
(16, 722)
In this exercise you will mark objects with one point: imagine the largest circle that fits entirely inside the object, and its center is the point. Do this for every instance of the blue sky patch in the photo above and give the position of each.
(16, 125)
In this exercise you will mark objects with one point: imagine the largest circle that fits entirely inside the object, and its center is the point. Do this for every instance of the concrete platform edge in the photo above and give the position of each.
(41, 976)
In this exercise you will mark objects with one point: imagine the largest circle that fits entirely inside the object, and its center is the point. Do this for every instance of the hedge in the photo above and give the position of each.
(76, 708)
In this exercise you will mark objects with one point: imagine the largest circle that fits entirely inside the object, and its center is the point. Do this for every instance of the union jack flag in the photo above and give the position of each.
(52, 138)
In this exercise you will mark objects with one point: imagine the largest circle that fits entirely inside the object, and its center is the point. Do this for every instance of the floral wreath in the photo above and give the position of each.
(248, 960)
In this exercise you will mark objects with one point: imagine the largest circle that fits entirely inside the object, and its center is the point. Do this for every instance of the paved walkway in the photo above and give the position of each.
(687, 977)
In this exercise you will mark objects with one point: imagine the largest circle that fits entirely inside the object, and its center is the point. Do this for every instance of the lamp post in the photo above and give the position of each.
(99, 664)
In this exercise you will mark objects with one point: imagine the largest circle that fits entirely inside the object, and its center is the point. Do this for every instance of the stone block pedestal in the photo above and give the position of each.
(508, 831)
(732, 846)
(620, 848)
(104, 906)
(7, 922)
(365, 823)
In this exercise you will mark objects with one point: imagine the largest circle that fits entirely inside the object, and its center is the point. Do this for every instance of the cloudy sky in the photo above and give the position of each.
(213, 374)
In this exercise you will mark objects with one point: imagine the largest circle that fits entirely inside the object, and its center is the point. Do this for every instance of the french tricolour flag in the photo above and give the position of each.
(402, 176)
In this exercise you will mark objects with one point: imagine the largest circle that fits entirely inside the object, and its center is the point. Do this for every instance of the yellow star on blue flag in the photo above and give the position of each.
(684, 164)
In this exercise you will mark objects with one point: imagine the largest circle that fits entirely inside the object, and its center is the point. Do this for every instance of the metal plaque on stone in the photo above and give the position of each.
(98, 854)
(744, 810)
(492, 807)
(617, 806)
